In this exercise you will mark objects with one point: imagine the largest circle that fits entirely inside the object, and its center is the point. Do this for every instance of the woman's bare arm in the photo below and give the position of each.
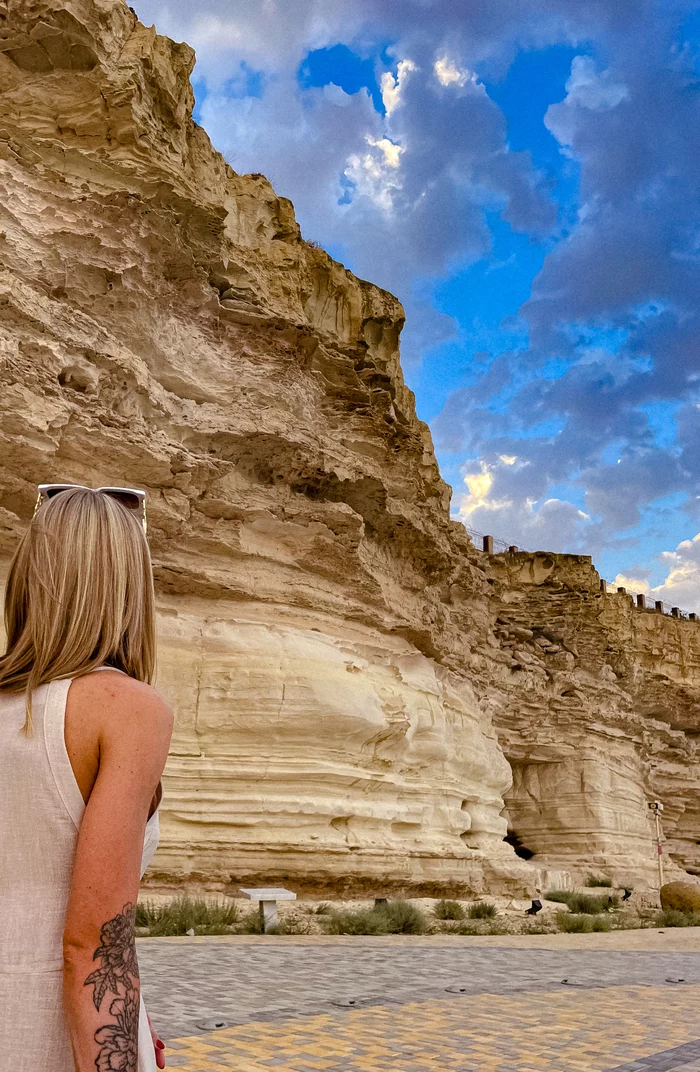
(101, 980)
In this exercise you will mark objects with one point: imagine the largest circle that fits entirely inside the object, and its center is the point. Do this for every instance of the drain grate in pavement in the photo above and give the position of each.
(353, 1003)
(213, 1023)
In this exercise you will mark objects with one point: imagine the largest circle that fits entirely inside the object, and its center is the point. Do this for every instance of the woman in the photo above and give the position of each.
(81, 756)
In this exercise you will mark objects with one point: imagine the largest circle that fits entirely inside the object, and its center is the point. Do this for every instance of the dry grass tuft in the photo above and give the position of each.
(448, 910)
(481, 910)
(185, 913)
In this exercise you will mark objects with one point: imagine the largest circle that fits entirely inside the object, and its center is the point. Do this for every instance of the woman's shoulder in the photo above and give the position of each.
(113, 701)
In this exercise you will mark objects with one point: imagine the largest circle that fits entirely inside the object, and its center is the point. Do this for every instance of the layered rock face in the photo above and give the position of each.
(355, 707)
(164, 325)
(599, 715)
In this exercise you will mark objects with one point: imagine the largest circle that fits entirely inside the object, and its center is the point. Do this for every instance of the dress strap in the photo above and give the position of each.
(55, 741)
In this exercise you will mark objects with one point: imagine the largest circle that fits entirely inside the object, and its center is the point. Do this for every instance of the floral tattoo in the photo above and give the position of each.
(118, 975)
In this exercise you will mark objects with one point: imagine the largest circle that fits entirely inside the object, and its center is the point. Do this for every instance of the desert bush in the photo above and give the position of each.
(187, 913)
(586, 904)
(582, 922)
(481, 910)
(478, 926)
(571, 923)
(403, 917)
(559, 896)
(448, 910)
(251, 922)
(394, 917)
(313, 908)
(597, 881)
(590, 905)
(673, 917)
(356, 921)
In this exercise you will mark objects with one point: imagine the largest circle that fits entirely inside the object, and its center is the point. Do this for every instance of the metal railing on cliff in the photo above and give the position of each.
(492, 545)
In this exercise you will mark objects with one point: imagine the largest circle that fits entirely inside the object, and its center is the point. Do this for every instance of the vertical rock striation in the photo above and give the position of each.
(363, 700)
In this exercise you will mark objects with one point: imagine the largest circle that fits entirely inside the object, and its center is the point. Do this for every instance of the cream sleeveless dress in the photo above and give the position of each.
(41, 809)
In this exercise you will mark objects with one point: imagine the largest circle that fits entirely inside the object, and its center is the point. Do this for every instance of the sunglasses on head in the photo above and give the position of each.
(131, 498)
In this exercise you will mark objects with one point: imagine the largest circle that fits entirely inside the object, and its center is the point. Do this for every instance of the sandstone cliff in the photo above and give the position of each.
(359, 701)
(599, 714)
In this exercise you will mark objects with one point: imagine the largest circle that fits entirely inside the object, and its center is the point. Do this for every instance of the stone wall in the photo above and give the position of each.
(353, 681)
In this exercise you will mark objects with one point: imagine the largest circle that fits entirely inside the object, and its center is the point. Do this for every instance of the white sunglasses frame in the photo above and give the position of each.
(44, 496)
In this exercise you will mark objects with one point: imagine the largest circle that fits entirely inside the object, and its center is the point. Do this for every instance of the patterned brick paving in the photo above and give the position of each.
(284, 1005)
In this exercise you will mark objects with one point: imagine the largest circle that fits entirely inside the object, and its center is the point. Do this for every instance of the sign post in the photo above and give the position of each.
(657, 807)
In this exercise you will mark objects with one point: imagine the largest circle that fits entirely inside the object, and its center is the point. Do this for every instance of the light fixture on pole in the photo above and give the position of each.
(657, 807)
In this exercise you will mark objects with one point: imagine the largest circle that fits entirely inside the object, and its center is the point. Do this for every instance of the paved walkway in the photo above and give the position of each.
(427, 1004)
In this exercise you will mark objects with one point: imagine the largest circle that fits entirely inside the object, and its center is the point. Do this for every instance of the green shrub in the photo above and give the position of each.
(582, 922)
(403, 917)
(187, 913)
(481, 910)
(571, 923)
(320, 908)
(314, 908)
(250, 922)
(586, 904)
(672, 917)
(356, 921)
(598, 880)
(394, 917)
(448, 910)
(590, 905)
(560, 896)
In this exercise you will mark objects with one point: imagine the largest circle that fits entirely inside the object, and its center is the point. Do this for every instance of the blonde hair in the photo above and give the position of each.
(79, 594)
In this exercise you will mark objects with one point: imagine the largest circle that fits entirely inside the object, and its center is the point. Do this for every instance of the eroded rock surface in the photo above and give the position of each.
(353, 681)
(600, 714)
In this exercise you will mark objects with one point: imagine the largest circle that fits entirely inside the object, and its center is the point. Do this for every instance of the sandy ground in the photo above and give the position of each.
(673, 940)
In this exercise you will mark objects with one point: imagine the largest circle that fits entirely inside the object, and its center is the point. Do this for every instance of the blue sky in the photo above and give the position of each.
(524, 177)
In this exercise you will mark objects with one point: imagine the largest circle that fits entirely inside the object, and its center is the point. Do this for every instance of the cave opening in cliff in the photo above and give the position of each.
(520, 850)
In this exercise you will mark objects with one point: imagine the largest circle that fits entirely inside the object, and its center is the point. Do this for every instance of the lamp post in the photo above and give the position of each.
(657, 807)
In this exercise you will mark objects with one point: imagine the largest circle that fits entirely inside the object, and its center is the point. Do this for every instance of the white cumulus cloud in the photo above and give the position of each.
(449, 74)
(681, 588)
(392, 85)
